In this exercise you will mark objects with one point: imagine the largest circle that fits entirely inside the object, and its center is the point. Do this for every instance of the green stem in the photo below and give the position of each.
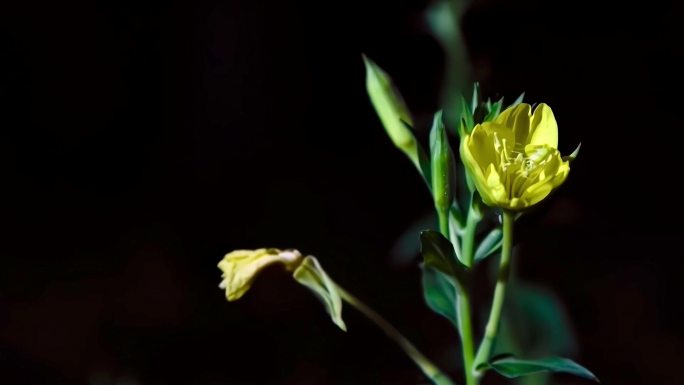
(429, 369)
(492, 327)
(443, 215)
(463, 303)
(466, 328)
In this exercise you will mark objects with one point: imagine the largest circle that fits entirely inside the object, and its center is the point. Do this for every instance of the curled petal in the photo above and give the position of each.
(517, 120)
(241, 267)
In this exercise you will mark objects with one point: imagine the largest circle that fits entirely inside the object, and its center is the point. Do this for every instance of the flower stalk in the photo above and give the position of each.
(430, 370)
(492, 328)
(463, 301)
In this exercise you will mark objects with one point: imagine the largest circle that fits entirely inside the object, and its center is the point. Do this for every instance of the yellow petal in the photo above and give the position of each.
(534, 196)
(513, 160)
(517, 120)
(475, 169)
(241, 267)
(554, 174)
(495, 187)
(544, 129)
(481, 144)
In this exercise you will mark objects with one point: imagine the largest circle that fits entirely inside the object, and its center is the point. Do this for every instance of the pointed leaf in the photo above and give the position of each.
(438, 253)
(440, 294)
(489, 245)
(311, 274)
(514, 367)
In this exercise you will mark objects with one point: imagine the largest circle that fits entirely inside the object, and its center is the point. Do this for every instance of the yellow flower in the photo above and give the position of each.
(240, 268)
(513, 160)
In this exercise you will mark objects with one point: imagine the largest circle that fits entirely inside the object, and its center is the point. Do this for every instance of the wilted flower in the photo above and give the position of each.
(240, 267)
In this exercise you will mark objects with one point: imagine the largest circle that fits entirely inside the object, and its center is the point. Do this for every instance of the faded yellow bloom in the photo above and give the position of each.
(513, 160)
(240, 268)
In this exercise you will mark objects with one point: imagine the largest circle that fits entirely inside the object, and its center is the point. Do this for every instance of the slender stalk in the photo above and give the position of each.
(466, 328)
(429, 369)
(492, 327)
(463, 303)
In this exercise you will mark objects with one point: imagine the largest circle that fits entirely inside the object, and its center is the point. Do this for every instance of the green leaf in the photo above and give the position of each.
(440, 294)
(438, 253)
(392, 110)
(311, 275)
(489, 245)
(511, 367)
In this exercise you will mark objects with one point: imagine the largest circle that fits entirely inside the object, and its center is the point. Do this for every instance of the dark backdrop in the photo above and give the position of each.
(140, 142)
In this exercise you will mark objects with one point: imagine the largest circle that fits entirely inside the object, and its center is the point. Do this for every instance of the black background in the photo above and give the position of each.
(140, 142)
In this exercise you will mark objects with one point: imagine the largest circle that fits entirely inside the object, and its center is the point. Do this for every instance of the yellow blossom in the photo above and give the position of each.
(240, 267)
(513, 160)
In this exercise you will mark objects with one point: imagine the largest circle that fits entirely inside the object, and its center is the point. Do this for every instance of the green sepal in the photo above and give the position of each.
(494, 110)
(574, 154)
(518, 100)
(311, 275)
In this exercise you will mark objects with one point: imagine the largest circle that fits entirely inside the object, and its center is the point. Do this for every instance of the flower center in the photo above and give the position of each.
(520, 166)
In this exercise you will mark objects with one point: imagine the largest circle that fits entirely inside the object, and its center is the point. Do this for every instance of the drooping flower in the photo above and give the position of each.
(513, 160)
(241, 267)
